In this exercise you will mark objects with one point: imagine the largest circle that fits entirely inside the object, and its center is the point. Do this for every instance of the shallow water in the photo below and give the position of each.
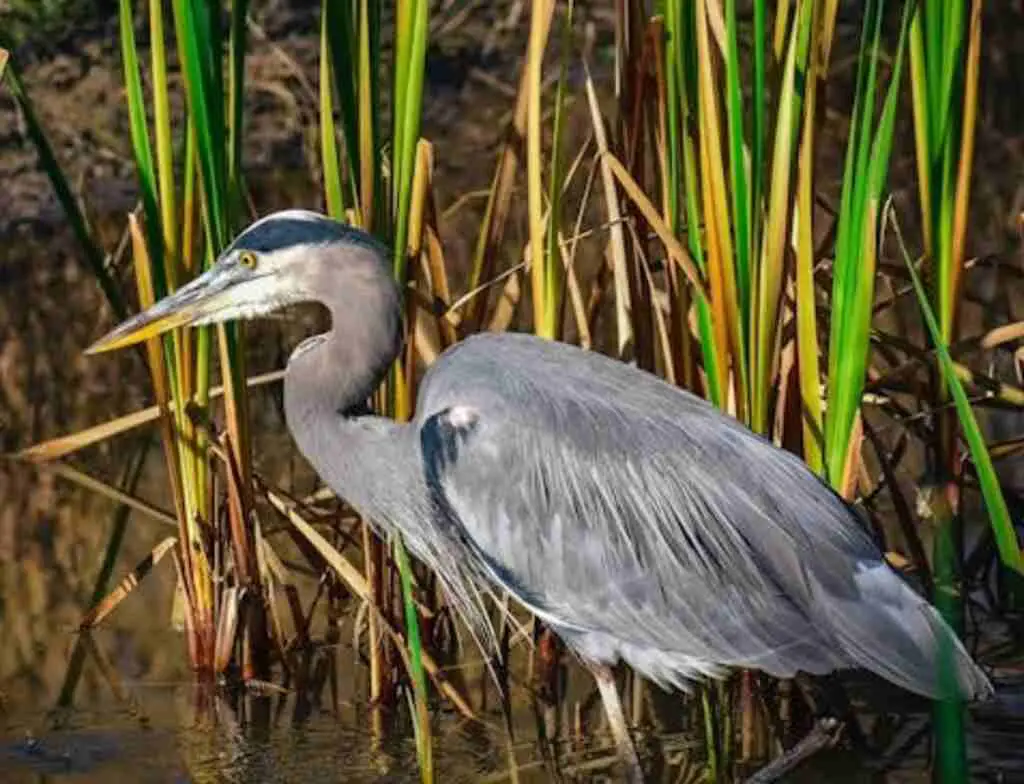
(151, 732)
(107, 743)
(169, 739)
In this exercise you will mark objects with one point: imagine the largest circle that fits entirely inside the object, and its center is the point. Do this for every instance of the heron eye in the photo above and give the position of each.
(247, 259)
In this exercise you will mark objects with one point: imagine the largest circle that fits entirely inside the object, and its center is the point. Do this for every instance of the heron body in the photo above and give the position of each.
(634, 518)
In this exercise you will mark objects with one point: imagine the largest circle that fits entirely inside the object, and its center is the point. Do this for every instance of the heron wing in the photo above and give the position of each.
(643, 523)
(631, 515)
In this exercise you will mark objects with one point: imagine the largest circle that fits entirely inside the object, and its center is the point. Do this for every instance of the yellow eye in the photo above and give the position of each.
(247, 259)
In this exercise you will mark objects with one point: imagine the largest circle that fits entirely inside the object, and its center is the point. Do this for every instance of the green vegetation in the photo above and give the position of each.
(707, 160)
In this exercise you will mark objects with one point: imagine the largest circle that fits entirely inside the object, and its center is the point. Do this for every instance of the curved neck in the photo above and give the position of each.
(337, 371)
(330, 378)
(375, 464)
(327, 378)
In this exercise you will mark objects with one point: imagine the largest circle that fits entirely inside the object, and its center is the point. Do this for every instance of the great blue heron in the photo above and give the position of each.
(632, 517)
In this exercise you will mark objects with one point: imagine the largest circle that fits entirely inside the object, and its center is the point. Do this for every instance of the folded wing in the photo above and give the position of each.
(642, 523)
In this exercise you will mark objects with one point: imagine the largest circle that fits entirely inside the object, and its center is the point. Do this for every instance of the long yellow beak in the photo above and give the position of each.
(185, 306)
(141, 327)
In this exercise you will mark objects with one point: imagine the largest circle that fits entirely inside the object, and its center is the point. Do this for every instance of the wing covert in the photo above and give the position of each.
(614, 523)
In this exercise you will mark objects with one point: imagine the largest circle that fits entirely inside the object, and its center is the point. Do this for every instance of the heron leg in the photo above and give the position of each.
(617, 721)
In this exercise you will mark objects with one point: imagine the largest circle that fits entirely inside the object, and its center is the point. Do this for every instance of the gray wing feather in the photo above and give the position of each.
(642, 523)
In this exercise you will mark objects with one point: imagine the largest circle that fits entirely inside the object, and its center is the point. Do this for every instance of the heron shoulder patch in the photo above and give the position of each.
(462, 417)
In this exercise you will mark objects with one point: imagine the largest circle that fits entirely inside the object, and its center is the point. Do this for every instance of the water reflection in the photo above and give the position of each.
(177, 733)
(178, 740)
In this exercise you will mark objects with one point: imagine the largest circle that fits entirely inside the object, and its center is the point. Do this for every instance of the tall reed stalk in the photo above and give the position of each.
(945, 47)
(170, 248)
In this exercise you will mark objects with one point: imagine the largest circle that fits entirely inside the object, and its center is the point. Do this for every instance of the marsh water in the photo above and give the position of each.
(139, 727)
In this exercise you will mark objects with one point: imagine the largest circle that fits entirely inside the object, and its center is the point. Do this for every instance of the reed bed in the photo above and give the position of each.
(697, 190)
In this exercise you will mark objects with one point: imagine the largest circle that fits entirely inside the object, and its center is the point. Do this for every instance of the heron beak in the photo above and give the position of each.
(187, 305)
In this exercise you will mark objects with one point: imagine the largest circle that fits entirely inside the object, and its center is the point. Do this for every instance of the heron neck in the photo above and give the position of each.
(337, 371)
(371, 462)
(327, 378)
(327, 384)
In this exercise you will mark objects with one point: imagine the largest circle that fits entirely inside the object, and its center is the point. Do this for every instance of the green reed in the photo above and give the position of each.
(174, 251)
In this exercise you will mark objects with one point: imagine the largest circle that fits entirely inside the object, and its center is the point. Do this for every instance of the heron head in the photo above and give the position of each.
(273, 263)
